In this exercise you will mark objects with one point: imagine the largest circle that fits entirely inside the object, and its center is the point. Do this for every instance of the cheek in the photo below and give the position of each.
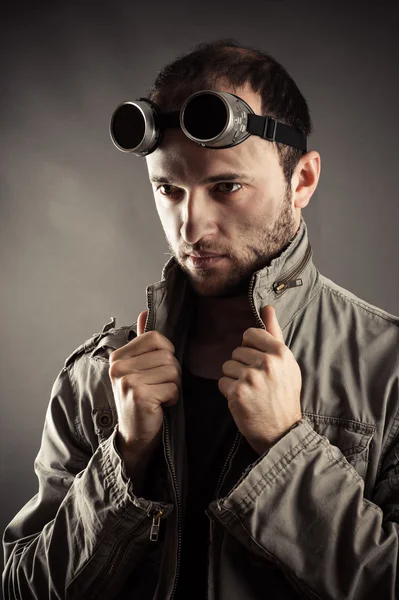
(169, 219)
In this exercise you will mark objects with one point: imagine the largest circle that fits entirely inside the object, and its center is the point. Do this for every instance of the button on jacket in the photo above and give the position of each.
(315, 516)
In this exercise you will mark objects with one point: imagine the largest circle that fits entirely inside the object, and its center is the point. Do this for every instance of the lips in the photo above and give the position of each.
(203, 255)
(205, 262)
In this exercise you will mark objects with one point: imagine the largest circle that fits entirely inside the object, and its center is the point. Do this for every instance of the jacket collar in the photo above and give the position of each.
(288, 283)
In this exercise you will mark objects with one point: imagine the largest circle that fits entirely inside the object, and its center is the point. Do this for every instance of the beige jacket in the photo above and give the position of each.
(316, 516)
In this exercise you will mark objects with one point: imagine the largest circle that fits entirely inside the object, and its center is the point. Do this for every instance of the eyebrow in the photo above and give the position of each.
(210, 179)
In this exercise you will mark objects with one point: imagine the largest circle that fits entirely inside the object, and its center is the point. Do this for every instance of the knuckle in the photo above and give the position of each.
(252, 376)
(168, 357)
(154, 335)
(114, 370)
(112, 357)
(267, 363)
(125, 384)
(266, 359)
(159, 339)
(175, 391)
(282, 351)
(236, 353)
(246, 334)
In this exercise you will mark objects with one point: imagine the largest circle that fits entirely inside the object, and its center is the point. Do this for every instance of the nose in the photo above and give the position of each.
(199, 216)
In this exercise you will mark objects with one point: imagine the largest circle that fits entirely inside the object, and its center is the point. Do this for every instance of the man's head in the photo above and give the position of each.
(251, 219)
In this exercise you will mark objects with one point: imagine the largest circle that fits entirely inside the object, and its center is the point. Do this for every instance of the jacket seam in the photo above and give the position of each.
(271, 475)
(361, 304)
(302, 308)
(120, 521)
(78, 432)
(385, 449)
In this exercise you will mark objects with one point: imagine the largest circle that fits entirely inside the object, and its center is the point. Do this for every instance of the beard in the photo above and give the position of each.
(262, 245)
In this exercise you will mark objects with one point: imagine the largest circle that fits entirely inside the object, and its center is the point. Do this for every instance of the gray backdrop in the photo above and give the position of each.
(80, 238)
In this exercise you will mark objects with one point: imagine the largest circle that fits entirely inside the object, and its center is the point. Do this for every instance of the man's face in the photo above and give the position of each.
(249, 220)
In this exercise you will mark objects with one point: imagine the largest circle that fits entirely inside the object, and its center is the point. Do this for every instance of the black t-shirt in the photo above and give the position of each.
(210, 432)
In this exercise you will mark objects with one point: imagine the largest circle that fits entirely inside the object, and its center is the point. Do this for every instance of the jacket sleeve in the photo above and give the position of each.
(61, 543)
(301, 506)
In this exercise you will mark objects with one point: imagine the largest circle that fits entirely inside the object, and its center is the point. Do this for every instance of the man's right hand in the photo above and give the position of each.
(145, 375)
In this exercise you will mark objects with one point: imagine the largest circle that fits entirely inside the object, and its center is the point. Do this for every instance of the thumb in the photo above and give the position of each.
(141, 322)
(269, 317)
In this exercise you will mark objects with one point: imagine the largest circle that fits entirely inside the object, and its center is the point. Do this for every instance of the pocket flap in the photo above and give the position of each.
(350, 436)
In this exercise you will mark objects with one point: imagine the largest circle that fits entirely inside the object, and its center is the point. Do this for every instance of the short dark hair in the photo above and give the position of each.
(207, 63)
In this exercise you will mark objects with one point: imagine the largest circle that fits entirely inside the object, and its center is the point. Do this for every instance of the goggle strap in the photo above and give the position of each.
(274, 131)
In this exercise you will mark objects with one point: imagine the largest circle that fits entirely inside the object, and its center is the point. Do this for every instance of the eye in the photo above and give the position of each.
(167, 193)
(170, 190)
(228, 183)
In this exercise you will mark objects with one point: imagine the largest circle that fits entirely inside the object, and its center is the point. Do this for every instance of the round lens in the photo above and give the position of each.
(128, 126)
(205, 116)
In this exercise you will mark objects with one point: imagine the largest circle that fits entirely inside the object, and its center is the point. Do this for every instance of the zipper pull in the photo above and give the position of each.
(155, 526)
(279, 287)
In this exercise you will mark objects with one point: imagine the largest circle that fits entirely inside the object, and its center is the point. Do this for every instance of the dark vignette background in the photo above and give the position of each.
(80, 238)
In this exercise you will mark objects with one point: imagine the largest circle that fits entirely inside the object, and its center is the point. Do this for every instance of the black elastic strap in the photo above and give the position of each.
(274, 131)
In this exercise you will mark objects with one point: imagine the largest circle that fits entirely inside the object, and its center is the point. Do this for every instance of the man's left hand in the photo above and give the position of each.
(262, 383)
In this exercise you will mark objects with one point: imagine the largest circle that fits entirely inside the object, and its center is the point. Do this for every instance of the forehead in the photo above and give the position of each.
(182, 161)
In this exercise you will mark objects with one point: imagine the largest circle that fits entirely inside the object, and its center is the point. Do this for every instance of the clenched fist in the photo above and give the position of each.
(145, 375)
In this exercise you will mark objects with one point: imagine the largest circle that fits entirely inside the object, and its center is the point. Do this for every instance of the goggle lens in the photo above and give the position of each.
(205, 116)
(128, 126)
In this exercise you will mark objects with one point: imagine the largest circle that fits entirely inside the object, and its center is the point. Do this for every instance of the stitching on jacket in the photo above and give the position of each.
(119, 523)
(302, 308)
(386, 449)
(341, 462)
(268, 477)
(78, 432)
(365, 306)
(359, 425)
(374, 506)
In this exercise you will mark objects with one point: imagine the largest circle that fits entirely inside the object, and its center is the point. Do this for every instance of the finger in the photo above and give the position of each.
(232, 368)
(246, 355)
(269, 317)
(141, 322)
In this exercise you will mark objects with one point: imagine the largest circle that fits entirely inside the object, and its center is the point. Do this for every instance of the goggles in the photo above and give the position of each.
(211, 119)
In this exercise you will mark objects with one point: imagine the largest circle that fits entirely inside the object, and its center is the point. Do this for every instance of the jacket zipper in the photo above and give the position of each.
(121, 546)
(179, 512)
(288, 280)
(218, 485)
(171, 467)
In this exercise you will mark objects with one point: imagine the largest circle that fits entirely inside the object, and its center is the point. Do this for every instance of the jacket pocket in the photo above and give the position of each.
(352, 437)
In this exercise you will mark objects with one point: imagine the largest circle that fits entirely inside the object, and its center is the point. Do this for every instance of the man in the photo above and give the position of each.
(253, 395)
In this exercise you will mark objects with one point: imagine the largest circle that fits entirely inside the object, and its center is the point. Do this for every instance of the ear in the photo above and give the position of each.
(305, 178)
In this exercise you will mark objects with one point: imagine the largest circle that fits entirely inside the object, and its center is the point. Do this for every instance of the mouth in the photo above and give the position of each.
(205, 260)
(203, 254)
